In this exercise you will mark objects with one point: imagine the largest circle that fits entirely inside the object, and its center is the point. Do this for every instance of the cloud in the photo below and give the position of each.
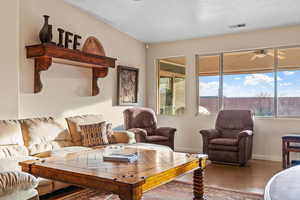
(209, 88)
(256, 79)
(285, 84)
(237, 78)
(288, 73)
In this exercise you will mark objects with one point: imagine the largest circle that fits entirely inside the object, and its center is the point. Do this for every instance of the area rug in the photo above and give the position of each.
(175, 190)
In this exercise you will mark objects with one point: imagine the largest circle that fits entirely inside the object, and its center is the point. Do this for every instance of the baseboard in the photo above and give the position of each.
(188, 150)
(267, 157)
(255, 156)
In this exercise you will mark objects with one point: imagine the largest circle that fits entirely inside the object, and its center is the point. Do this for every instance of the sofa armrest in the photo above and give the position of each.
(244, 133)
(210, 133)
(15, 181)
(140, 134)
(166, 131)
(125, 137)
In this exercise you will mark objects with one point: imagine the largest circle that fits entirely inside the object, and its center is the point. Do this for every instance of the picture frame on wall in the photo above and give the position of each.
(128, 82)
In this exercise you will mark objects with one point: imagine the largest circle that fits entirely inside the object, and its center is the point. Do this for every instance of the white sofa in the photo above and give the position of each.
(40, 137)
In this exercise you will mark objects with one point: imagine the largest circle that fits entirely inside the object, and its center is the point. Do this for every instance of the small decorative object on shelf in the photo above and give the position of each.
(128, 80)
(46, 31)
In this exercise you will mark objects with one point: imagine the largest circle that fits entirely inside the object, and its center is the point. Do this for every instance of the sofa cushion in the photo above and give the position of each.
(224, 141)
(14, 181)
(45, 186)
(12, 163)
(222, 147)
(10, 133)
(75, 122)
(156, 138)
(9, 151)
(94, 134)
(11, 139)
(125, 137)
(44, 134)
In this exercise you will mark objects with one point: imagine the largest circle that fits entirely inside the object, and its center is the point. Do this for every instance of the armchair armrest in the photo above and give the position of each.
(140, 134)
(166, 131)
(244, 133)
(210, 133)
(125, 137)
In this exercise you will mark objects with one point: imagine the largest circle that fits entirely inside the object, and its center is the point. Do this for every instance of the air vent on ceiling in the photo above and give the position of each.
(238, 26)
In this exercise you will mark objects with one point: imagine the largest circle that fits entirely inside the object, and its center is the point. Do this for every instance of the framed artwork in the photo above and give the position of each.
(128, 80)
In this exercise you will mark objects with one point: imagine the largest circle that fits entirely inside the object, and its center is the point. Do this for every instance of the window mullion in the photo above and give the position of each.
(221, 104)
(275, 82)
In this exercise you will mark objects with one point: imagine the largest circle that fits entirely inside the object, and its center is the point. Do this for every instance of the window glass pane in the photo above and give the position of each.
(248, 81)
(171, 96)
(208, 83)
(288, 82)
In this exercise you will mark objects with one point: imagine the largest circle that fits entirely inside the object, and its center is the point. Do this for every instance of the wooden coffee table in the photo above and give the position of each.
(128, 180)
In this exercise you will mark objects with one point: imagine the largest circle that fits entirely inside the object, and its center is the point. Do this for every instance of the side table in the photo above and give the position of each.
(287, 148)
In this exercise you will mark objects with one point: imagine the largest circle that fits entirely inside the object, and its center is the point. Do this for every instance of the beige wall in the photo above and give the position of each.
(9, 59)
(66, 89)
(268, 132)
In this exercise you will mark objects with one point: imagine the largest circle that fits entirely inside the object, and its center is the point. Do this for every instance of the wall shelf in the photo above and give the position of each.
(46, 54)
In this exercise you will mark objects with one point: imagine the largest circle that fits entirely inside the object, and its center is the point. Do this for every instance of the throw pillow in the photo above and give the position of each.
(94, 134)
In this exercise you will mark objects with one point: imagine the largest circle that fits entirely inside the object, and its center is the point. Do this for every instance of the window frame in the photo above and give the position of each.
(221, 79)
(157, 74)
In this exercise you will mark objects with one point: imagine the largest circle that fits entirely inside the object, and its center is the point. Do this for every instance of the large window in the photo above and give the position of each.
(266, 81)
(171, 84)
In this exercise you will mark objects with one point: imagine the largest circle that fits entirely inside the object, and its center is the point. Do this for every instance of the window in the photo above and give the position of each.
(288, 78)
(171, 84)
(248, 81)
(266, 81)
(209, 83)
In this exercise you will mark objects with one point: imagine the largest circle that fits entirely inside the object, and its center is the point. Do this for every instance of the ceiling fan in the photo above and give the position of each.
(263, 53)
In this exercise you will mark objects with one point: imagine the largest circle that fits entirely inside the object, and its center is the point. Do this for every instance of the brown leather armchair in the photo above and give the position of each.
(143, 123)
(231, 140)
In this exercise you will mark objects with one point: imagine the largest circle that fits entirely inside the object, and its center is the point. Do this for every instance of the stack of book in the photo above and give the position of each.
(119, 157)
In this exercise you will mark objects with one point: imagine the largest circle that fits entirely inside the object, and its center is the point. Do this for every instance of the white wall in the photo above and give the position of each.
(67, 89)
(9, 59)
(268, 132)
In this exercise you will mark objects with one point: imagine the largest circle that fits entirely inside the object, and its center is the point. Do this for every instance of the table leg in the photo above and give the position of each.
(130, 193)
(284, 149)
(288, 162)
(198, 185)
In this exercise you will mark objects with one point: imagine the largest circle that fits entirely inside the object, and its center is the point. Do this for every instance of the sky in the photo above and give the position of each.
(252, 85)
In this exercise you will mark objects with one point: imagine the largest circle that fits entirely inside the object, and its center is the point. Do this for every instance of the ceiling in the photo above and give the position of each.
(154, 21)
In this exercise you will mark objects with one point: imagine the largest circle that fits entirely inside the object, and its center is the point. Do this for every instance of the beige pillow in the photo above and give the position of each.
(94, 134)
(10, 133)
(75, 122)
(44, 134)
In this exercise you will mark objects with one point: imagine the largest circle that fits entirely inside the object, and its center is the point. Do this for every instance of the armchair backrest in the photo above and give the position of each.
(144, 118)
(231, 122)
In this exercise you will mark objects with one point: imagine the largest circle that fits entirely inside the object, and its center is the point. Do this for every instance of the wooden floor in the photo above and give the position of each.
(251, 178)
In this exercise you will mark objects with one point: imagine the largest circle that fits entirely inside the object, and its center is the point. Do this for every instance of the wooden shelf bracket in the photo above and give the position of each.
(42, 63)
(46, 54)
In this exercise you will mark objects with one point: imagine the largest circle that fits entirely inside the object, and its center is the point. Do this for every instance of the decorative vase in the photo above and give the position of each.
(46, 31)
